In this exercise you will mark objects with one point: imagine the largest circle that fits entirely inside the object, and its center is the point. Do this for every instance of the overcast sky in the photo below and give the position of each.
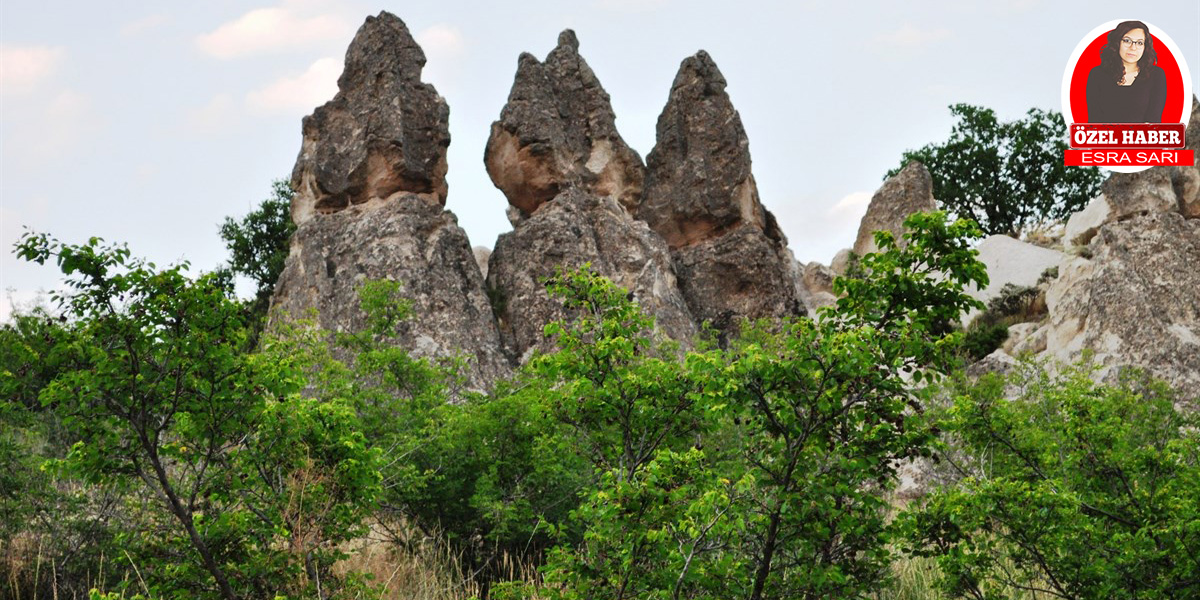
(148, 122)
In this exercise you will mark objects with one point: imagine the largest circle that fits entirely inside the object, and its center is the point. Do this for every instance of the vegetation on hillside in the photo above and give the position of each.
(148, 448)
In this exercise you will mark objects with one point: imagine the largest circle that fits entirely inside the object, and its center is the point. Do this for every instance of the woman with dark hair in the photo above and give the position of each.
(1127, 87)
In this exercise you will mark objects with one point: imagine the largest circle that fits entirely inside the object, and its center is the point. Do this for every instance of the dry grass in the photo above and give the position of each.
(420, 569)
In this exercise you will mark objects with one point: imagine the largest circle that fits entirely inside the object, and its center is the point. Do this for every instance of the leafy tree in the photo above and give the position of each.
(1067, 488)
(480, 474)
(1005, 175)
(636, 415)
(754, 472)
(825, 410)
(258, 243)
(156, 389)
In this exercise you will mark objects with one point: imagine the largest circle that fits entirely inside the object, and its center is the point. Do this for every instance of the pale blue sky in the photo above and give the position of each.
(149, 122)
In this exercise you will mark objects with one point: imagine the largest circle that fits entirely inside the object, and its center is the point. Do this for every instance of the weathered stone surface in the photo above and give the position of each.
(1011, 261)
(410, 240)
(1186, 180)
(558, 131)
(1083, 225)
(841, 262)
(818, 277)
(1133, 194)
(572, 229)
(1135, 302)
(384, 134)
(906, 192)
(481, 258)
(730, 255)
(815, 287)
(1159, 189)
(737, 275)
(1025, 338)
(699, 183)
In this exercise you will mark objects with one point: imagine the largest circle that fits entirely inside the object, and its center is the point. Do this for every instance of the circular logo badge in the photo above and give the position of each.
(1110, 101)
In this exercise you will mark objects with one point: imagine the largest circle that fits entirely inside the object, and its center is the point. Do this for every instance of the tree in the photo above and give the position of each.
(754, 472)
(258, 243)
(1005, 175)
(1065, 487)
(153, 383)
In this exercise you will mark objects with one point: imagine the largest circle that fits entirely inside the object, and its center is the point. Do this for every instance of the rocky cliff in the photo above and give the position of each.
(370, 185)
(1127, 289)
(730, 256)
(686, 233)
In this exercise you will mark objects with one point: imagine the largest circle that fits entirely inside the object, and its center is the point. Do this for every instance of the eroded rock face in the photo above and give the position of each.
(558, 132)
(905, 193)
(741, 274)
(370, 184)
(1083, 225)
(1136, 301)
(575, 228)
(384, 134)
(699, 183)
(1186, 180)
(410, 240)
(1133, 194)
(1011, 262)
(1159, 189)
(730, 255)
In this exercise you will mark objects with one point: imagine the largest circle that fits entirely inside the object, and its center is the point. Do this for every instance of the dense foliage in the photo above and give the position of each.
(258, 245)
(147, 449)
(1005, 175)
(210, 451)
(1068, 488)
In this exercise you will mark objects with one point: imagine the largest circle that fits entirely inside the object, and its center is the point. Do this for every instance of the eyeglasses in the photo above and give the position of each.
(1133, 43)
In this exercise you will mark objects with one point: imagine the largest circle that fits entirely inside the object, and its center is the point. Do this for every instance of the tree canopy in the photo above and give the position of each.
(1006, 175)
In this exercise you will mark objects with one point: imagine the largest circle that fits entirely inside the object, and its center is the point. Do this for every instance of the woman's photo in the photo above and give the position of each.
(1128, 86)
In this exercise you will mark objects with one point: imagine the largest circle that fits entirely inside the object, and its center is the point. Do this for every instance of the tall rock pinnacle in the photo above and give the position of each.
(556, 154)
(557, 132)
(356, 148)
(370, 190)
(730, 255)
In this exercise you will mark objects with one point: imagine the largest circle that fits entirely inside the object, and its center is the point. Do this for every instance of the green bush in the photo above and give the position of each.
(1070, 488)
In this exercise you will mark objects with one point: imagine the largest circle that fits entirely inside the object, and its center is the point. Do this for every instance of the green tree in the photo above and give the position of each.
(1005, 175)
(825, 410)
(154, 385)
(755, 472)
(258, 243)
(1066, 487)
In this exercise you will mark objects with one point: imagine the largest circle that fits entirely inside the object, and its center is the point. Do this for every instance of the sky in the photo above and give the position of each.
(148, 122)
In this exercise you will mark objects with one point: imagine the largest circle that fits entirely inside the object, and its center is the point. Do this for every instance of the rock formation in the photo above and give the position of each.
(1135, 301)
(384, 133)
(557, 132)
(1011, 261)
(574, 228)
(907, 192)
(686, 234)
(1129, 293)
(370, 185)
(557, 156)
(729, 253)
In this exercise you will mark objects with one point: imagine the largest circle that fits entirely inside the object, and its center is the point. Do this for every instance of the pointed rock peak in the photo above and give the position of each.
(557, 132)
(567, 39)
(906, 192)
(701, 72)
(699, 183)
(383, 135)
(382, 46)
